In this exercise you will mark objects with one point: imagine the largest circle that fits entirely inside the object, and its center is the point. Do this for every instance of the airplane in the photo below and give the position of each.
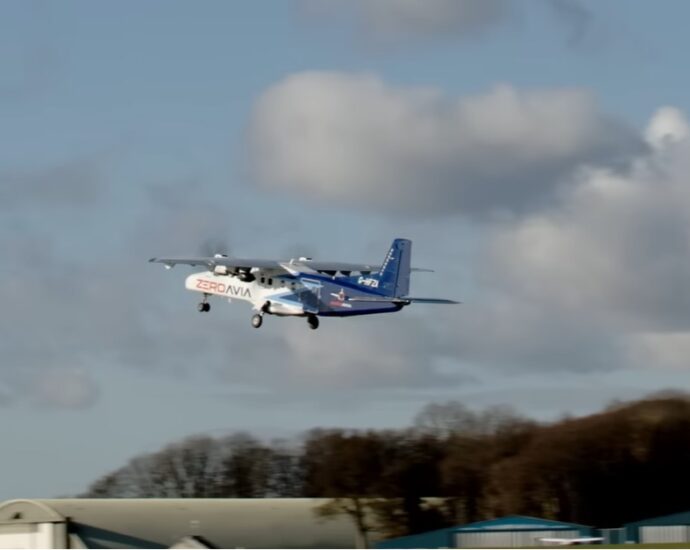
(571, 541)
(306, 288)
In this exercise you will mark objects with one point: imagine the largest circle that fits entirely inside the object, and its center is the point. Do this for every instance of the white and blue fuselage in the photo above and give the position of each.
(305, 289)
(298, 295)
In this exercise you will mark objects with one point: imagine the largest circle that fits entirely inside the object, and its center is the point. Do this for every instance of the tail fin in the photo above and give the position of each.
(394, 276)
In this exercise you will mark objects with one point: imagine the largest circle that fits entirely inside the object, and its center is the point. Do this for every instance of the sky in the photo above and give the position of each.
(535, 152)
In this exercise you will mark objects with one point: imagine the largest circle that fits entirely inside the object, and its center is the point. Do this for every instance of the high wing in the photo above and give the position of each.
(343, 267)
(213, 261)
(336, 266)
(273, 265)
(401, 300)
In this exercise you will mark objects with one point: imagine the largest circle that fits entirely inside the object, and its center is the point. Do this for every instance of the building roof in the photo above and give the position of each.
(161, 523)
(442, 538)
(431, 539)
(680, 518)
(518, 523)
(28, 511)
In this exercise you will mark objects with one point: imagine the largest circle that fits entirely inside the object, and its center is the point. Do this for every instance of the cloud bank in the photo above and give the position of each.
(354, 139)
(599, 280)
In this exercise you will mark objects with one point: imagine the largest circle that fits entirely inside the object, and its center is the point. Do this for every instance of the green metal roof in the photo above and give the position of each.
(519, 523)
(680, 518)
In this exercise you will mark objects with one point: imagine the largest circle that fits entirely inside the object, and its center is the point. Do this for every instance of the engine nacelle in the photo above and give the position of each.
(284, 310)
(245, 276)
(220, 270)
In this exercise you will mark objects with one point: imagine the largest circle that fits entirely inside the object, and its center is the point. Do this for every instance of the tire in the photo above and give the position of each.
(257, 320)
(313, 322)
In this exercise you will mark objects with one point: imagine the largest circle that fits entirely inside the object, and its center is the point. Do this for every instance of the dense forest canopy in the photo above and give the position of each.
(627, 462)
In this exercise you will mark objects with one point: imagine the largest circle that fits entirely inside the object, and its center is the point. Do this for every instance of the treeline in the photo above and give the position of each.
(625, 463)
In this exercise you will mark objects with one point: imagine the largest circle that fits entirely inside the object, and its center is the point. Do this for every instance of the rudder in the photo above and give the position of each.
(394, 276)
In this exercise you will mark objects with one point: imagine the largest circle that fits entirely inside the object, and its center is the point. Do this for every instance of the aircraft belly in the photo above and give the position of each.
(336, 308)
(368, 310)
(334, 301)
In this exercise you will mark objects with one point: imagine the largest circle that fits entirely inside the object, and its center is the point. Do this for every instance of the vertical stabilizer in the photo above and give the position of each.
(394, 276)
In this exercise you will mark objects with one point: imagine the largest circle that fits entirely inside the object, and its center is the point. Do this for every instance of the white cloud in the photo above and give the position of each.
(601, 279)
(356, 140)
(668, 125)
(661, 349)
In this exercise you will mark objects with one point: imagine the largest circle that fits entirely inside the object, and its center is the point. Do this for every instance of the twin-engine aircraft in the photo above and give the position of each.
(306, 288)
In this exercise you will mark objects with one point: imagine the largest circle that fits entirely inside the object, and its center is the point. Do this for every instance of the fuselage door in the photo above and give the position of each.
(311, 297)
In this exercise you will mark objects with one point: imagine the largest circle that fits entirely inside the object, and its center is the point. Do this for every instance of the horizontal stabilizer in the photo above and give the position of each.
(401, 300)
(430, 300)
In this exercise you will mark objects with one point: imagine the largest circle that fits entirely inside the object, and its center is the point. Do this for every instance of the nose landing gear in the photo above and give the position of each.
(204, 306)
(313, 321)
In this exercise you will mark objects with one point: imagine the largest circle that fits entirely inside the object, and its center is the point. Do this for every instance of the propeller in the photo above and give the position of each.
(211, 247)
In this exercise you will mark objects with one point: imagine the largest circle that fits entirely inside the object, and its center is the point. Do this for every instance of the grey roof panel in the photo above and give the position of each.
(224, 523)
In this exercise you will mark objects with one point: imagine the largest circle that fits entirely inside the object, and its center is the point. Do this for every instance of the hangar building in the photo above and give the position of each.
(664, 529)
(506, 532)
(171, 523)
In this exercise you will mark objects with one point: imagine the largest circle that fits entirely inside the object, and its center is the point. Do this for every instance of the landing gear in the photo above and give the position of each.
(313, 322)
(204, 307)
(258, 318)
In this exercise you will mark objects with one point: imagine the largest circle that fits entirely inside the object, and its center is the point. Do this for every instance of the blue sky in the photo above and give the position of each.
(519, 146)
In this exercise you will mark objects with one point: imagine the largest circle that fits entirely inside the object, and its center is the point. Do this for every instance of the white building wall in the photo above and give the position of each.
(664, 533)
(509, 539)
(37, 535)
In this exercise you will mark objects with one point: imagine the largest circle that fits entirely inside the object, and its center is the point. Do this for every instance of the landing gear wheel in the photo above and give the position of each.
(313, 322)
(204, 307)
(257, 320)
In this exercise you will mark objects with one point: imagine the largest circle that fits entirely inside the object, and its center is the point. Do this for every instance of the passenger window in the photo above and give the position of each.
(270, 282)
(263, 280)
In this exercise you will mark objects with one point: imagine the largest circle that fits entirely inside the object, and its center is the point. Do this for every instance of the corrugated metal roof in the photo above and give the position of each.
(160, 523)
(680, 518)
(24, 511)
(444, 538)
(441, 538)
(519, 523)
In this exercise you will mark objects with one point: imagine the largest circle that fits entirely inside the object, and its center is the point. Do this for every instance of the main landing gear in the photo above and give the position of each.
(204, 306)
(258, 318)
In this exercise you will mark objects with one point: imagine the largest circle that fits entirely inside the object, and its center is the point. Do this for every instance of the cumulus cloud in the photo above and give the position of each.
(601, 278)
(353, 139)
(669, 125)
